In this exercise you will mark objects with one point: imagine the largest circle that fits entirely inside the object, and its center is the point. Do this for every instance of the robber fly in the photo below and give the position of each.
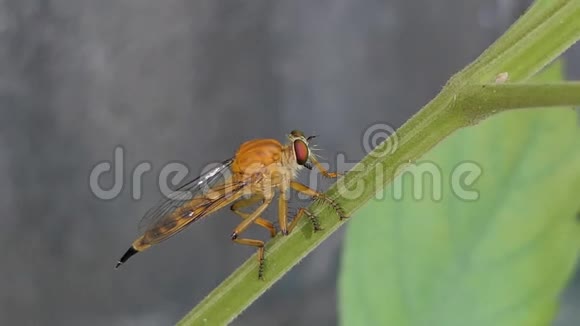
(259, 169)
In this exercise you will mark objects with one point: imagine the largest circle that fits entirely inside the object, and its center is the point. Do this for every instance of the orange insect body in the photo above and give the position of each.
(259, 168)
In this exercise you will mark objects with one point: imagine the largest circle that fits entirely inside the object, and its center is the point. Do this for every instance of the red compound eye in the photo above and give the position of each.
(301, 151)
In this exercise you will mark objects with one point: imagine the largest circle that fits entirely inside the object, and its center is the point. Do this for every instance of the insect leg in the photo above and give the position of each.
(324, 171)
(318, 195)
(251, 242)
(311, 216)
(283, 208)
(283, 213)
(237, 206)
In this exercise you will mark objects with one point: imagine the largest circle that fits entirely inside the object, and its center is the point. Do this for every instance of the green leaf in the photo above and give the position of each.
(501, 259)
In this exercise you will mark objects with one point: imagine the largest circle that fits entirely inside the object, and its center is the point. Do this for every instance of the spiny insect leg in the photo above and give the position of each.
(318, 195)
(252, 242)
(312, 217)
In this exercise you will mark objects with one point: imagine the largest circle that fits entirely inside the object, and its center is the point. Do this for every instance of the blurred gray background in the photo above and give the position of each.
(187, 81)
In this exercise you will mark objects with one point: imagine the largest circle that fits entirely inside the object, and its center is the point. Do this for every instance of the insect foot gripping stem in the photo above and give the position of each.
(337, 208)
(319, 196)
(254, 243)
(313, 219)
(261, 263)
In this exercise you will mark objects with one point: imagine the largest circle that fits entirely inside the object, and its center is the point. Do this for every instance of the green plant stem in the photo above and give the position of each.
(546, 30)
(542, 34)
(480, 101)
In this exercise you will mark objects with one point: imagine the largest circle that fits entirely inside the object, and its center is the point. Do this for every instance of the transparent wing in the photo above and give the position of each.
(188, 203)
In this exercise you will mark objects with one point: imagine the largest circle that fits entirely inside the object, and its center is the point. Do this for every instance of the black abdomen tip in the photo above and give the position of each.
(130, 252)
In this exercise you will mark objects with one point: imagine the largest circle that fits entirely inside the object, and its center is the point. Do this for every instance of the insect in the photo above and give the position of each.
(260, 169)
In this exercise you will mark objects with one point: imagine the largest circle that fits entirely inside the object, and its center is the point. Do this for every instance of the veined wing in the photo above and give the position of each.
(189, 203)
